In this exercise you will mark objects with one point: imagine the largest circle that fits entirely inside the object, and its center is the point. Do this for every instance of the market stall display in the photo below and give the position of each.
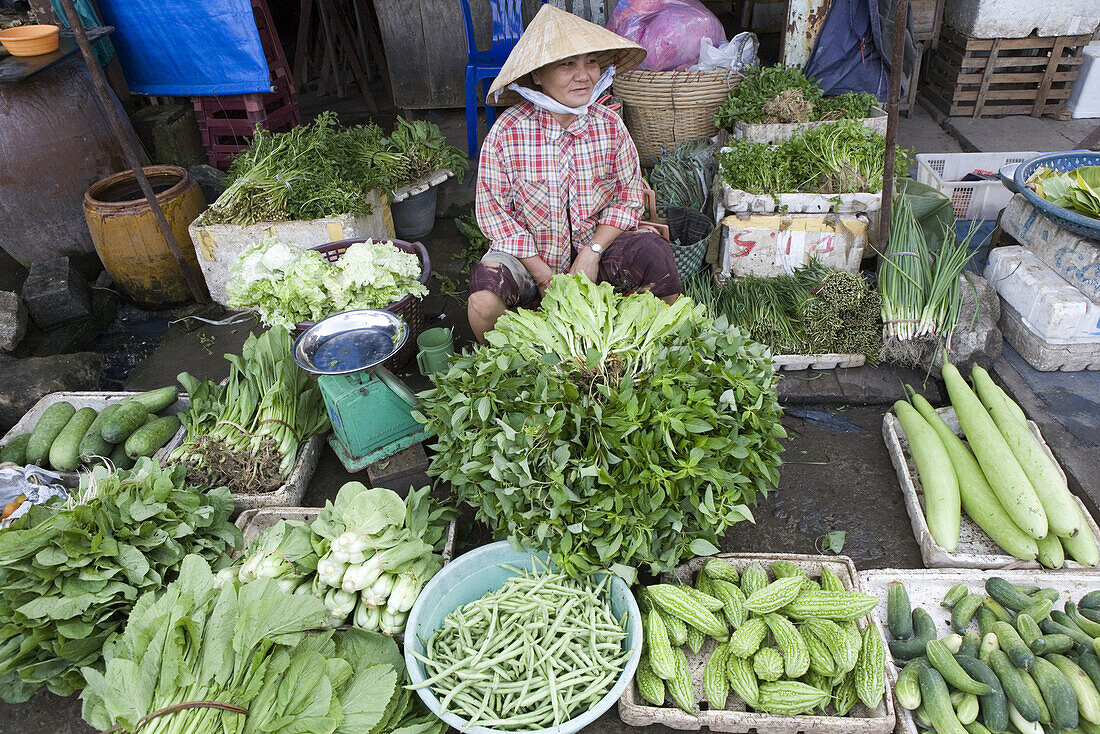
(253, 431)
(607, 425)
(1007, 480)
(367, 555)
(247, 657)
(1021, 644)
(71, 572)
(143, 429)
(825, 671)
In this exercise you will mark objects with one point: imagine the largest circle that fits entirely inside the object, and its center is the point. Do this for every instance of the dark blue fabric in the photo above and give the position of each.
(188, 48)
(847, 56)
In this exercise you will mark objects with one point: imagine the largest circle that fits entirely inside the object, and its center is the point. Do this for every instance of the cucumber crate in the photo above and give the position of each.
(636, 711)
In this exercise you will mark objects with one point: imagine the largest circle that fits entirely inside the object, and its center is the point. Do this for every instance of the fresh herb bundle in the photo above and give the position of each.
(613, 431)
(682, 176)
(70, 573)
(784, 94)
(839, 158)
(814, 310)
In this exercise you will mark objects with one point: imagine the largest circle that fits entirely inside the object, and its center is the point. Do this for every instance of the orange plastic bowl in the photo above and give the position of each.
(30, 40)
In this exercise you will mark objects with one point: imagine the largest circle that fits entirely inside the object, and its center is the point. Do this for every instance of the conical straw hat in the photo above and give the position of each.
(553, 35)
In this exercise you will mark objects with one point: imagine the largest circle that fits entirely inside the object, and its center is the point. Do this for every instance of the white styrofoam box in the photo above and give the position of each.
(971, 199)
(831, 361)
(1043, 354)
(772, 244)
(1075, 258)
(1084, 99)
(1020, 18)
(1053, 308)
(219, 245)
(736, 201)
(777, 132)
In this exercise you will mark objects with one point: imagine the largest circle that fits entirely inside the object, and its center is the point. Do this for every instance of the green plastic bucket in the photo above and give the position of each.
(470, 577)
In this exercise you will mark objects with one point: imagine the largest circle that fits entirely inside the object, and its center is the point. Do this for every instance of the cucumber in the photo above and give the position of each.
(1011, 644)
(966, 707)
(15, 450)
(130, 416)
(963, 611)
(1082, 547)
(1051, 627)
(1013, 686)
(943, 661)
(1086, 625)
(119, 460)
(1047, 593)
(907, 688)
(989, 644)
(1091, 665)
(1089, 613)
(1058, 694)
(936, 702)
(924, 630)
(976, 727)
(1088, 699)
(952, 642)
(994, 705)
(53, 421)
(970, 644)
(1006, 594)
(986, 619)
(1038, 611)
(936, 475)
(1022, 725)
(978, 499)
(1060, 617)
(999, 612)
(954, 595)
(899, 612)
(150, 437)
(1051, 553)
(159, 399)
(1036, 694)
(1090, 600)
(1027, 628)
(93, 444)
(1047, 644)
(65, 451)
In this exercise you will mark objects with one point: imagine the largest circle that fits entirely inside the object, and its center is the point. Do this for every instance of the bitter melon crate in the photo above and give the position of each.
(927, 588)
(975, 549)
(980, 77)
(636, 711)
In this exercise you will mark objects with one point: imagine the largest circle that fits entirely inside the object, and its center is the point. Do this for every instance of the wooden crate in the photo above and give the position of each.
(927, 17)
(981, 77)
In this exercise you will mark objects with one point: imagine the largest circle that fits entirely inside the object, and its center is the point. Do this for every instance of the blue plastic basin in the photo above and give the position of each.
(470, 577)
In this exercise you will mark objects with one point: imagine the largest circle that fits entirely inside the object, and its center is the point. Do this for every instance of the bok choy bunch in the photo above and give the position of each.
(245, 433)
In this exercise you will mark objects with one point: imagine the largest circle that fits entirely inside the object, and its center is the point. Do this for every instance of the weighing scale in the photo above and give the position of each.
(370, 409)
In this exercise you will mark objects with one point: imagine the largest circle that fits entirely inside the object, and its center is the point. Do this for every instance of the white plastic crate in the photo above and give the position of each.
(971, 199)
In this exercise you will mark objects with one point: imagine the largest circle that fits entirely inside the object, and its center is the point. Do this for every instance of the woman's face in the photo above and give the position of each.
(569, 81)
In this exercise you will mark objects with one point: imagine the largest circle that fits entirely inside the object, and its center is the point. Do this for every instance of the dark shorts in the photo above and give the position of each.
(634, 261)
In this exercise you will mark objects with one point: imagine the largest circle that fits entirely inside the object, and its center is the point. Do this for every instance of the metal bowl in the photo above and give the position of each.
(350, 341)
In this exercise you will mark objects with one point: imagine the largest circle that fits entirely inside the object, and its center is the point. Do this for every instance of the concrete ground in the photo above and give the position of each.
(837, 474)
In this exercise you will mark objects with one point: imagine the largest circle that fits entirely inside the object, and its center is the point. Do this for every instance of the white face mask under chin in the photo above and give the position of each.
(552, 105)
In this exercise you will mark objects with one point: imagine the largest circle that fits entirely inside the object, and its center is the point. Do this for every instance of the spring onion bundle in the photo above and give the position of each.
(920, 289)
(245, 433)
(535, 653)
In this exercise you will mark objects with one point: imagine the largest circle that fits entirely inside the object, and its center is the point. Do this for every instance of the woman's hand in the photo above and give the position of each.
(587, 263)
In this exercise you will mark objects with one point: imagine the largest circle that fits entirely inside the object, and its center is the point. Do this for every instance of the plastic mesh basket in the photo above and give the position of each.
(971, 199)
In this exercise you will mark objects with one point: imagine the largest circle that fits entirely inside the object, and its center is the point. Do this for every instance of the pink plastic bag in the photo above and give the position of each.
(669, 30)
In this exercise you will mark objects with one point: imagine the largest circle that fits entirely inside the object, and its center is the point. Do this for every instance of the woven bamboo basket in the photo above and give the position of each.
(664, 108)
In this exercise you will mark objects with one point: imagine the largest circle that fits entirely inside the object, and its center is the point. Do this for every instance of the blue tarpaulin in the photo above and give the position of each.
(188, 48)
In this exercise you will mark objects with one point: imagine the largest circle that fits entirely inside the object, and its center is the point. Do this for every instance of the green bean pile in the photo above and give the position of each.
(535, 653)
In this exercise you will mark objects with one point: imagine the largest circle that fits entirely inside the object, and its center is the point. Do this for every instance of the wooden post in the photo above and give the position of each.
(133, 159)
(897, 59)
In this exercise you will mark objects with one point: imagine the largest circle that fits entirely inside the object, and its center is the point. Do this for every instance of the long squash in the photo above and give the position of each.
(1082, 547)
(999, 464)
(1064, 516)
(978, 498)
(937, 477)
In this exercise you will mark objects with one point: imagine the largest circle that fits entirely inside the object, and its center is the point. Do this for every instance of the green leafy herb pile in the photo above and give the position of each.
(682, 176)
(248, 650)
(245, 433)
(1078, 189)
(844, 157)
(316, 170)
(70, 573)
(815, 310)
(612, 431)
(784, 94)
(287, 283)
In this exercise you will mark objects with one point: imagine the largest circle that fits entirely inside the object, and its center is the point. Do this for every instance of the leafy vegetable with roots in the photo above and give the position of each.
(613, 431)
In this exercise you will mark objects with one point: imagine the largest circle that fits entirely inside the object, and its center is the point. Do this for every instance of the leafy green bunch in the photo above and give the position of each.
(1078, 189)
(839, 158)
(425, 150)
(784, 94)
(250, 650)
(613, 431)
(70, 574)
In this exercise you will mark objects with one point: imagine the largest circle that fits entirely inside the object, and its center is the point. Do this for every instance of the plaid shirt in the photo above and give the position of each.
(541, 188)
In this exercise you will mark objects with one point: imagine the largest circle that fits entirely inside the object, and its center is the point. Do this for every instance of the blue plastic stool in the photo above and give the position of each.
(485, 65)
